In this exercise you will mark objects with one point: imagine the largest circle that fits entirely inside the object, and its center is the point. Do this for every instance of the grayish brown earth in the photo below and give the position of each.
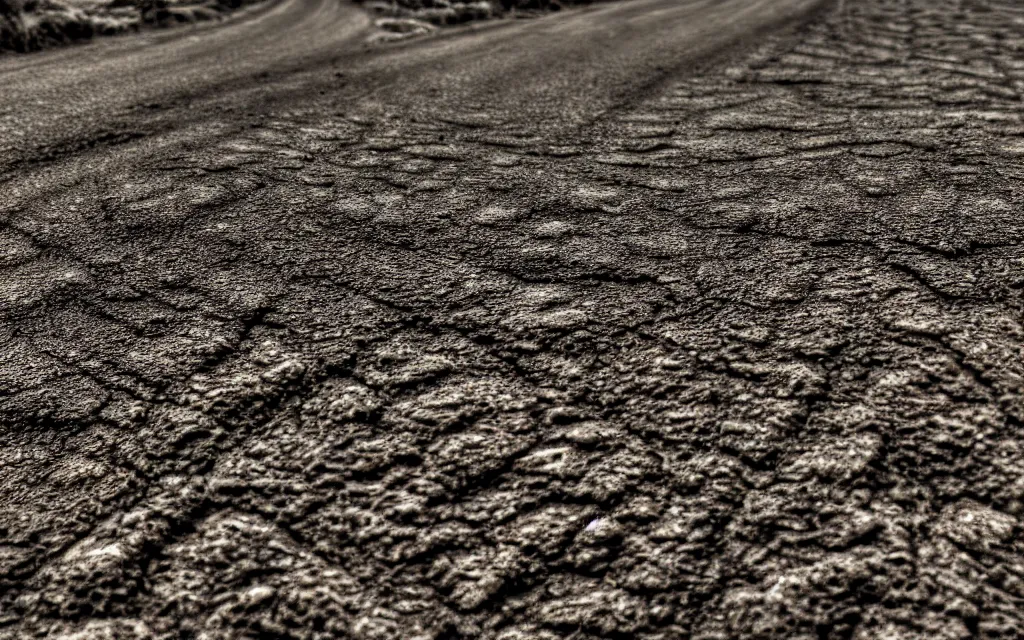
(666, 319)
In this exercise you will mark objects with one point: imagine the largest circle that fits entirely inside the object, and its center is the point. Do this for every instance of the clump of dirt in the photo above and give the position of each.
(400, 28)
(31, 25)
(450, 12)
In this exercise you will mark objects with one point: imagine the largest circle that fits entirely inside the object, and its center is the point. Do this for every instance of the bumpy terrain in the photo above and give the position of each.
(735, 352)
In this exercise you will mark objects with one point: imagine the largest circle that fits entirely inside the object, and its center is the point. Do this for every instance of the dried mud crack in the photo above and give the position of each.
(671, 339)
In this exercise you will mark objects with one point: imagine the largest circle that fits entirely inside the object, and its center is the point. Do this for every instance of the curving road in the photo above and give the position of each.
(66, 96)
(578, 65)
(661, 319)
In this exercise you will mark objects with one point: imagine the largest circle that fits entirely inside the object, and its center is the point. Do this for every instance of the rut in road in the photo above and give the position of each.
(746, 363)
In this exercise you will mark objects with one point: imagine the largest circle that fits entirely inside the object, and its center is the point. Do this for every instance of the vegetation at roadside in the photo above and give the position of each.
(30, 25)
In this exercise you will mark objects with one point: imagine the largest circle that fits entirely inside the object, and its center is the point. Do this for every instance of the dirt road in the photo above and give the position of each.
(663, 319)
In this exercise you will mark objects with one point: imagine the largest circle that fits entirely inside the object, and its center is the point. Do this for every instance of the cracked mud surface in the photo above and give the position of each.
(738, 358)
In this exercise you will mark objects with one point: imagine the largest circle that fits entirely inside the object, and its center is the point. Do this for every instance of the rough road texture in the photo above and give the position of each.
(741, 359)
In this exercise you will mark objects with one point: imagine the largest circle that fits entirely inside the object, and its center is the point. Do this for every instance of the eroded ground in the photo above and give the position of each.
(743, 362)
